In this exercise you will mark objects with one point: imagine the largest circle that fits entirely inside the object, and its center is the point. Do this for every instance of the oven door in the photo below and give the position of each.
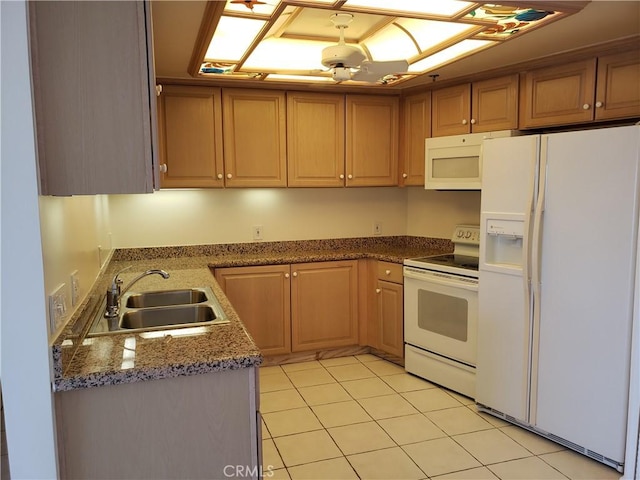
(441, 313)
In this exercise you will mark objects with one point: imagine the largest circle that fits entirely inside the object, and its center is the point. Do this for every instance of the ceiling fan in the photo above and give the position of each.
(348, 62)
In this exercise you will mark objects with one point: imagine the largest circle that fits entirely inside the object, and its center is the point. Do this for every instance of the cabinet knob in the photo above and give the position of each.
(219, 176)
(163, 168)
(158, 90)
(599, 104)
(378, 290)
(349, 176)
(404, 175)
(464, 122)
(387, 272)
(473, 121)
(586, 106)
(286, 275)
(295, 274)
(341, 176)
(229, 175)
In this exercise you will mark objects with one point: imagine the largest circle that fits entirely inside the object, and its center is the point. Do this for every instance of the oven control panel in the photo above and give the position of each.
(467, 234)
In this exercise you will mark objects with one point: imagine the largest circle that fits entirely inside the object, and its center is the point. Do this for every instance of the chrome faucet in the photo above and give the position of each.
(114, 292)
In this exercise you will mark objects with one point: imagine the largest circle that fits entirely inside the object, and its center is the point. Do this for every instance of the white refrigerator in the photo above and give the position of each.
(559, 218)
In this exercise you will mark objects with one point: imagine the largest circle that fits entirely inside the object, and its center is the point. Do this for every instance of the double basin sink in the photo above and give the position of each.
(162, 309)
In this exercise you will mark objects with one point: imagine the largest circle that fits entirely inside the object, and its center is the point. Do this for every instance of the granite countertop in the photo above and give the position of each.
(82, 361)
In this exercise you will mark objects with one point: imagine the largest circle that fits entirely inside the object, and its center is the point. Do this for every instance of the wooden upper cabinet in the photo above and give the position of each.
(415, 129)
(94, 97)
(482, 106)
(190, 127)
(324, 305)
(315, 139)
(494, 104)
(372, 140)
(451, 110)
(261, 295)
(558, 95)
(618, 86)
(254, 132)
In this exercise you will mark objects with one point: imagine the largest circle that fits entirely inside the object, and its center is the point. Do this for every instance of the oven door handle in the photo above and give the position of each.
(441, 279)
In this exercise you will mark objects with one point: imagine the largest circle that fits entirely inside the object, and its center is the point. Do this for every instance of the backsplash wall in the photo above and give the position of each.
(434, 213)
(72, 228)
(195, 217)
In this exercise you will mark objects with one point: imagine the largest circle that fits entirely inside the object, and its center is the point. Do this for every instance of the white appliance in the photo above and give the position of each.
(557, 262)
(455, 162)
(441, 313)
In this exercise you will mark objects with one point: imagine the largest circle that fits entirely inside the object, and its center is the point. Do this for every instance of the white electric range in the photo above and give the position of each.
(441, 313)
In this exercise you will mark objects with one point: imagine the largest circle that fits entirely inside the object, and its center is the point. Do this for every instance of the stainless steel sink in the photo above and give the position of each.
(160, 310)
(163, 317)
(164, 298)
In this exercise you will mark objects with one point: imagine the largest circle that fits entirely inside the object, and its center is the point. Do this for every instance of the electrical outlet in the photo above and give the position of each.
(377, 228)
(57, 307)
(74, 281)
(257, 232)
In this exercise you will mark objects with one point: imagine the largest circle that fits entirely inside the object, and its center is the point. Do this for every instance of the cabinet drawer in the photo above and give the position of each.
(391, 272)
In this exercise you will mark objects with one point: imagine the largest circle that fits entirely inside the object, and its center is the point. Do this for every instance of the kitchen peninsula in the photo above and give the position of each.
(171, 374)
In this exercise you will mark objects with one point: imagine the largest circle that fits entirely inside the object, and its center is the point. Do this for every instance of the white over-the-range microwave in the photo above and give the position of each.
(455, 162)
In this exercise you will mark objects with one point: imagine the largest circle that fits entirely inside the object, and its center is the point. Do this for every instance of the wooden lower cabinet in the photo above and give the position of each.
(390, 317)
(174, 428)
(261, 296)
(324, 305)
(295, 308)
(387, 321)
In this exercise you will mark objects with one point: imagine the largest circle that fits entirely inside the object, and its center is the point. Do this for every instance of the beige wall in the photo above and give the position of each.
(192, 217)
(436, 213)
(72, 228)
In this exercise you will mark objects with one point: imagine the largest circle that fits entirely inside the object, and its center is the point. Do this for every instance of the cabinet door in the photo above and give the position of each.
(494, 104)
(254, 131)
(324, 307)
(416, 128)
(315, 139)
(372, 141)
(190, 125)
(618, 86)
(94, 97)
(451, 109)
(558, 95)
(390, 317)
(261, 296)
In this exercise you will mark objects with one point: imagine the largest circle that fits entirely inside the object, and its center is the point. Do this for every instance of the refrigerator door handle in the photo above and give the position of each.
(536, 251)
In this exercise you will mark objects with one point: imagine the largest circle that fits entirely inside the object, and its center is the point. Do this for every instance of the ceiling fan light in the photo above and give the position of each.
(340, 74)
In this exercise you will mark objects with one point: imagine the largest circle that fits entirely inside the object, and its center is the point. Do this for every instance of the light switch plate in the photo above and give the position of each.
(74, 281)
(57, 306)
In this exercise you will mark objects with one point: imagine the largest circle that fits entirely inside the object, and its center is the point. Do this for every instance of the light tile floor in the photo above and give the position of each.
(363, 417)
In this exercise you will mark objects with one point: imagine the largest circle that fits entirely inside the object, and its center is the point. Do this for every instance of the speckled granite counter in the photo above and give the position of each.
(82, 361)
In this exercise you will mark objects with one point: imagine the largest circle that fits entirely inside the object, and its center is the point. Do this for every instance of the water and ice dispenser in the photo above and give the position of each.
(504, 242)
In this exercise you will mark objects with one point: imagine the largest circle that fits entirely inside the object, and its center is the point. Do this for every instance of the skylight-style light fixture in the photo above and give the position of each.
(271, 40)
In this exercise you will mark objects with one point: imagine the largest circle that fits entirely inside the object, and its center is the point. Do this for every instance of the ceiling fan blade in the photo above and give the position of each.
(372, 71)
